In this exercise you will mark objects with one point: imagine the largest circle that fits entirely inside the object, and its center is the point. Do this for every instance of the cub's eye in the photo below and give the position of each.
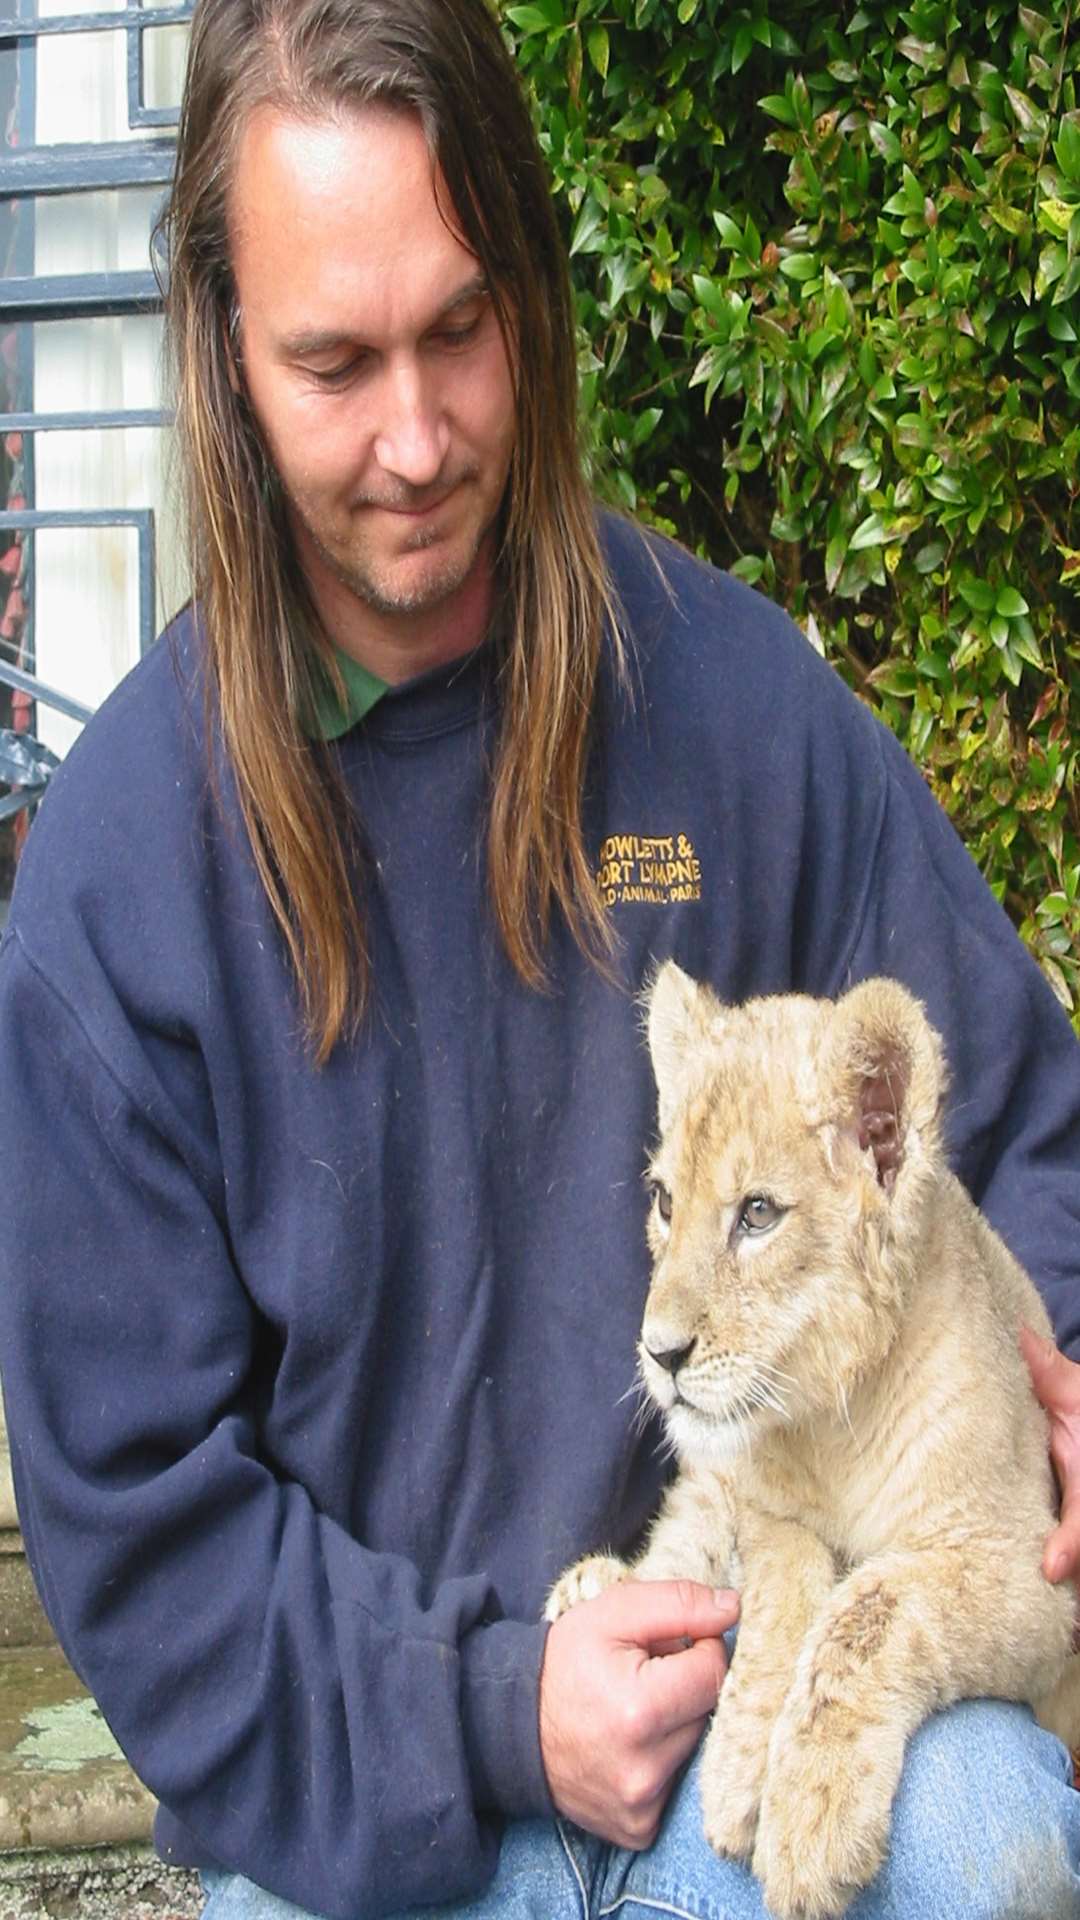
(758, 1213)
(662, 1197)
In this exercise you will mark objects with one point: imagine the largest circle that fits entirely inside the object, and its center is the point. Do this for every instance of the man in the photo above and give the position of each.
(325, 1254)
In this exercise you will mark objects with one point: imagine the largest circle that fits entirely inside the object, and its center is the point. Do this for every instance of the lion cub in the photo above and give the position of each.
(831, 1332)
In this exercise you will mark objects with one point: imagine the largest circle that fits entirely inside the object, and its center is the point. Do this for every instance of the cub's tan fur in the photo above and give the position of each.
(860, 1450)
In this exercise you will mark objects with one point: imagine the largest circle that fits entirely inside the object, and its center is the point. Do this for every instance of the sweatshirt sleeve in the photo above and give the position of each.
(1013, 1103)
(307, 1712)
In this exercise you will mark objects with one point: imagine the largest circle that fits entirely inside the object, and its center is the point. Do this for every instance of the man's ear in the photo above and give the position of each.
(681, 1017)
(886, 1075)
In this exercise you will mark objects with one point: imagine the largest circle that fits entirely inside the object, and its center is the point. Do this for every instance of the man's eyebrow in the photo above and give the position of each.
(295, 346)
(473, 289)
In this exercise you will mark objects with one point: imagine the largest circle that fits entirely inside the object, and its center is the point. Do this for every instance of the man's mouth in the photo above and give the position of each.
(414, 513)
(418, 508)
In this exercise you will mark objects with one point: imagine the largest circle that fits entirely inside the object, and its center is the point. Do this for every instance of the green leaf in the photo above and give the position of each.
(599, 45)
(799, 266)
(895, 677)
(778, 107)
(709, 294)
(833, 379)
(1053, 261)
(884, 141)
(540, 17)
(835, 555)
(913, 431)
(621, 273)
(1010, 604)
(730, 233)
(1035, 25)
(590, 233)
(1067, 147)
(742, 49)
(1026, 647)
(979, 594)
(933, 100)
(646, 424)
(1057, 981)
(1012, 665)
(869, 533)
(749, 568)
(944, 486)
(1031, 118)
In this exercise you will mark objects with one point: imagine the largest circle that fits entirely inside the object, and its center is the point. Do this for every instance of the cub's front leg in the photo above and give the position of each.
(787, 1575)
(690, 1539)
(904, 1634)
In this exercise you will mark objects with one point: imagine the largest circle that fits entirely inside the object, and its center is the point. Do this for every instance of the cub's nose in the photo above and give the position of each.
(671, 1358)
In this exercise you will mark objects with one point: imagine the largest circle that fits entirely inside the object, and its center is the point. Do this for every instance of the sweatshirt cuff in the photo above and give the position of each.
(500, 1702)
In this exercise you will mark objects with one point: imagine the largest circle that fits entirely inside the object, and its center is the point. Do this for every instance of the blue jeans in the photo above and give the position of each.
(986, 1826)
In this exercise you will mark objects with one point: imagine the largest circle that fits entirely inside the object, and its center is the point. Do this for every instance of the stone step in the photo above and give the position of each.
(74, 1821)
(97, 1883)
(23, 1622)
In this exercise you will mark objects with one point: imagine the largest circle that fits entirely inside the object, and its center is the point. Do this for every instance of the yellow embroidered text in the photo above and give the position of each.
(654, 870)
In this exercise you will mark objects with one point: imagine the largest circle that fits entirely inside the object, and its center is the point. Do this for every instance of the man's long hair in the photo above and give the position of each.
(443, 60)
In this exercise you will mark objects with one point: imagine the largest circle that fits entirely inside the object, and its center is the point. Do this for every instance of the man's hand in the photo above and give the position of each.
(618, 1715)
(1057, 1384)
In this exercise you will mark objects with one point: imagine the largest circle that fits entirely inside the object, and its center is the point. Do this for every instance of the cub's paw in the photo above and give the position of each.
(731, 1779)
(824, 1826)
(583, 1581)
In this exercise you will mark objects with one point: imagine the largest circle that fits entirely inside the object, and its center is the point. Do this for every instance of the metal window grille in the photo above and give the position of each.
(27, 172)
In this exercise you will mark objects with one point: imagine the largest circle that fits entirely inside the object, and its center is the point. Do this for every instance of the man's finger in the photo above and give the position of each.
(682, 1688)
(1061, 1556)
(659, 1613)
(1056, 1379)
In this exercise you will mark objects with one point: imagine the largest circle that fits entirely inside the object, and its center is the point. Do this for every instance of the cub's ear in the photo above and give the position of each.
(887, 1075)
(681, 1016)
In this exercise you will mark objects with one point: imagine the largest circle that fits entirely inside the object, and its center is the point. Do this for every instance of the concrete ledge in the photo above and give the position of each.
(22, 1616)
(63, 1780)
(8, 1515)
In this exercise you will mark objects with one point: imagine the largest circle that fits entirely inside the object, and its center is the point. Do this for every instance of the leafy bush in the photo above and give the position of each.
(827, 274)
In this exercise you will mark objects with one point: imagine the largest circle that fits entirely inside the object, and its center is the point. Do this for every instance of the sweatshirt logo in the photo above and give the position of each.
(656, 869)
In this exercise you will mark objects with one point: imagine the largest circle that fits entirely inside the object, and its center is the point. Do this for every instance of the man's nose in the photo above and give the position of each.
(414, 438)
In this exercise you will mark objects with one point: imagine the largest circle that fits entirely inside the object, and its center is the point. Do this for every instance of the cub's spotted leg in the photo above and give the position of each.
(903, 1635)
(583, 1581)
(787, 1576)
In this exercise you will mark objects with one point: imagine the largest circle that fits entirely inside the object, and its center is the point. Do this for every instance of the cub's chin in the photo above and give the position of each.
(715, 1440)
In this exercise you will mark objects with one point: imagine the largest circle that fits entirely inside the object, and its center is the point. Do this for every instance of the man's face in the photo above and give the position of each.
(374, 362)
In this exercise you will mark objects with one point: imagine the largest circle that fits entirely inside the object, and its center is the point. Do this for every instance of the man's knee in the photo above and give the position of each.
(986, 1823)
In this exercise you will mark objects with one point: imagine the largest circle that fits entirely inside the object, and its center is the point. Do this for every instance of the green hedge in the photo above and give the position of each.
(827, 274)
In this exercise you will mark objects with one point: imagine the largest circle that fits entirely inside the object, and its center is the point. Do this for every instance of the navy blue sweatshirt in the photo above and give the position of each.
(316, 1379)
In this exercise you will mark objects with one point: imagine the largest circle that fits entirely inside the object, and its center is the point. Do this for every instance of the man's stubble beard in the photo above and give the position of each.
(365, 585)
